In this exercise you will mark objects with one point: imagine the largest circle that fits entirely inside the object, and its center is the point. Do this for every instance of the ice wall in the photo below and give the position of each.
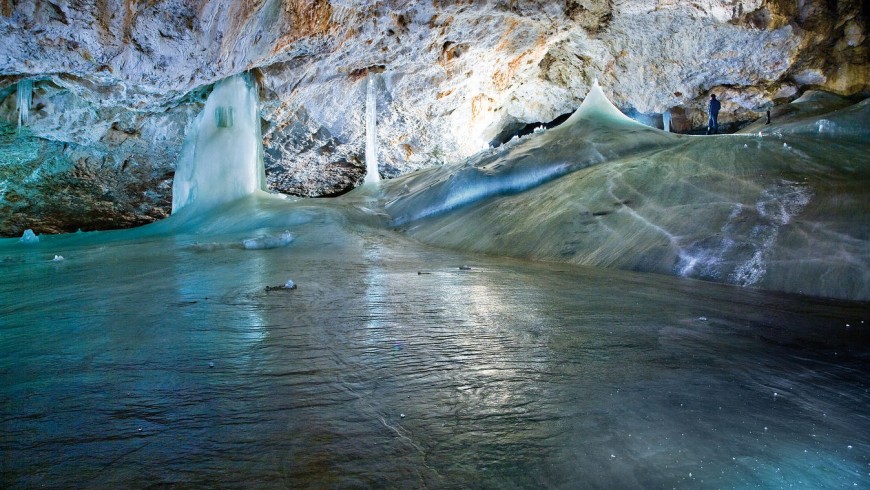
(222, 156)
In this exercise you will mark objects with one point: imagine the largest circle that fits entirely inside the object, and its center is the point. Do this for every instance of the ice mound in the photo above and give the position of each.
(595, 133)
(29, 237)
(260, 243)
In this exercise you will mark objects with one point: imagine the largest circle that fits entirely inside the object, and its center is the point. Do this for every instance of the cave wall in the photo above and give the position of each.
(117, 83)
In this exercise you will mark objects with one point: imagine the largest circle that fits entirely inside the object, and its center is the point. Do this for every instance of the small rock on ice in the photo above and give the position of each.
(464, 268)
(289, 284)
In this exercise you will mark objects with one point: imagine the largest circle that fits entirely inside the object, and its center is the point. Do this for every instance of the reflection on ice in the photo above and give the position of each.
(148, 360)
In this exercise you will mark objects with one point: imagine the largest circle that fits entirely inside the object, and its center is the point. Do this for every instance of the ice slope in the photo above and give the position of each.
(595, 133)
(782, 209)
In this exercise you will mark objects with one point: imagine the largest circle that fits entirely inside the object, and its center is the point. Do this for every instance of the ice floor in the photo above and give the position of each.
(162, 356)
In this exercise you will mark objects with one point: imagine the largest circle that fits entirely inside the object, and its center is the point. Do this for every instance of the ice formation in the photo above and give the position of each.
(265, 242)
(23, 98)
(29, 237)
(590, 136)
(779, 209)
(222, 156)
(372, 176)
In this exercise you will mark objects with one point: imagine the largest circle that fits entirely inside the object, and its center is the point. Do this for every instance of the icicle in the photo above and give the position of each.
(24, 96)
(666, 120)
(372, 176)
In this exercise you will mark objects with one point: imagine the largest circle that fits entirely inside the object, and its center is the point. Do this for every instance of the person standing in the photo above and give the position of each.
(713, 109)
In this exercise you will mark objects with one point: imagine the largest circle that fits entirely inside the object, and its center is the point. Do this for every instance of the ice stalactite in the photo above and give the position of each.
(666, 120)
(24, 96)
(372, 176)
(222, 156)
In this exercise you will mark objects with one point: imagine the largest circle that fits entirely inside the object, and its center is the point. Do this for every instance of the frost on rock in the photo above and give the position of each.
(260, 243)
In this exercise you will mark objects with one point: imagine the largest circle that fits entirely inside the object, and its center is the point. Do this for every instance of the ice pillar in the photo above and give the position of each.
(666, 120)
(222, 156)
(372, 176)
(24, 96)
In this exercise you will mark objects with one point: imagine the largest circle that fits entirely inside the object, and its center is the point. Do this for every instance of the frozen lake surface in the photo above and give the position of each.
(157, 358)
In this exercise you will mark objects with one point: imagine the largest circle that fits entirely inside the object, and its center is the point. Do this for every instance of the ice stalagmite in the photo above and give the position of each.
(372, 176)
(222, 156)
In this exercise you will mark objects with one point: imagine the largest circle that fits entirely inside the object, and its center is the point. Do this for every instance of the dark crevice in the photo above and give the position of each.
(519, 129)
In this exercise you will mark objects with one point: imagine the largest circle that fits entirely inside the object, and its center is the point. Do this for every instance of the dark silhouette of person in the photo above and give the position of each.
(713, 109)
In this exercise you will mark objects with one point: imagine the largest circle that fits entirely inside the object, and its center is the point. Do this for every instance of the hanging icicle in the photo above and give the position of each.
(24, 96)
(372, 176)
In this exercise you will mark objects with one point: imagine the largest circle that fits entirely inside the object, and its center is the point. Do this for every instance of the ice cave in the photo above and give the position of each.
(449, 244)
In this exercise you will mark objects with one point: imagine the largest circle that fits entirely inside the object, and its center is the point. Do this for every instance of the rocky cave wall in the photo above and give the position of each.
(118, 83)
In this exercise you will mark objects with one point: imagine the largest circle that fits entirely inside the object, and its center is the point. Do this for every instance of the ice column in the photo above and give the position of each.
(372, 176)
(24, 96)
(222, 156)
(666, 120)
